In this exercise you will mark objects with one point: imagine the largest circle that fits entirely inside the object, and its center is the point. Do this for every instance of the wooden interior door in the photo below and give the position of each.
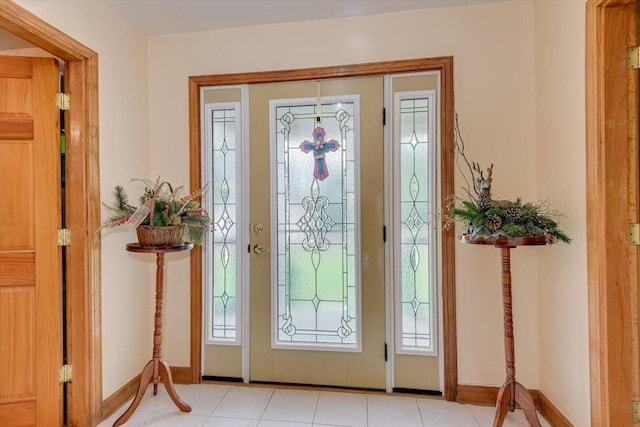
(633, 96)
(30, 260)
(612, 203)
(633, 148)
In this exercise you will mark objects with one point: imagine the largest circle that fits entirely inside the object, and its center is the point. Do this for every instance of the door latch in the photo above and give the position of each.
(259, 249)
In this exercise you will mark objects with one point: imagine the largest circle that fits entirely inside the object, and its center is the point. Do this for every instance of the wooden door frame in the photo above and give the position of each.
(83, 207)
(442, 64)
(611, 119)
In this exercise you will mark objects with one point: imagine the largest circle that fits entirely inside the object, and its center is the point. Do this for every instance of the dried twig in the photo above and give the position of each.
(459, 144)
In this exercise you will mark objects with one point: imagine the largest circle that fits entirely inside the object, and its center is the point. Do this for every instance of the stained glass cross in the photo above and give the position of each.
(319, 147)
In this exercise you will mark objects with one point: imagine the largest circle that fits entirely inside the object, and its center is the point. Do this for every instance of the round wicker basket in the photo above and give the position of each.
(171, 235)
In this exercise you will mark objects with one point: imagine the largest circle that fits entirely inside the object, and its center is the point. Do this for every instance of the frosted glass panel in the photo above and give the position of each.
(223, 131)
(316, 280)
(414, 251)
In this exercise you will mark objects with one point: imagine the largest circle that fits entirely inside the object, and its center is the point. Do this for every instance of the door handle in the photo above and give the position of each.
(259, 249)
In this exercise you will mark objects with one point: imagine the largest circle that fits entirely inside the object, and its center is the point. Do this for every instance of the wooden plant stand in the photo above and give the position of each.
(156, 369)
(511, 393)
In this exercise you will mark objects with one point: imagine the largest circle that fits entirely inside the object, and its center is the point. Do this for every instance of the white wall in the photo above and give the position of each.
(493, 49)
(561, 174)
(127, 280)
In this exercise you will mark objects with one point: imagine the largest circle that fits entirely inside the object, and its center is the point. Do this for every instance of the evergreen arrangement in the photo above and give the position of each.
(171, 207)
(488, 218)
(485, 217)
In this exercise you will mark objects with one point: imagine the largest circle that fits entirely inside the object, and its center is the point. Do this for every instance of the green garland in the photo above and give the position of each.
(510, 219)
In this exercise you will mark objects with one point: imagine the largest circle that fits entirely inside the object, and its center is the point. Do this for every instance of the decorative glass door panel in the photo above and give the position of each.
(416, 147)
(317, 297)
(316, 263)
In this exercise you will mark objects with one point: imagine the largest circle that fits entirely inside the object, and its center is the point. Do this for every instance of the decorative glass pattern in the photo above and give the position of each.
(316, 293)
(415, 183)
(223, 126)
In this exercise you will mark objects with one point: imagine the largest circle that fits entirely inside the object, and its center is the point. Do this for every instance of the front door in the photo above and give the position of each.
(30, 261)
(317, 307)
(296, 268)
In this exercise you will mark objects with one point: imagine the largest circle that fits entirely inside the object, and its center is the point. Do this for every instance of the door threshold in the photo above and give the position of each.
(214, 378)
(318, 387)
(402, 390)
(206, 379)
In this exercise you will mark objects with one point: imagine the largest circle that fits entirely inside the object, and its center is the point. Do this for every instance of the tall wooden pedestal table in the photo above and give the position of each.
(511, 392)
(156, 369)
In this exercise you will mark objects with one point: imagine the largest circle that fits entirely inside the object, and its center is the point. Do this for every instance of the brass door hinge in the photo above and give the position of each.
(636, 411)
(65, 373)
(63, 100)
(64, 237)
(633, 58)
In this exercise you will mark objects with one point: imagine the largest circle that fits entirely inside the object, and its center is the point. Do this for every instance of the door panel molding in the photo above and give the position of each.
(442, 64)
(611, 118)
(83, 206)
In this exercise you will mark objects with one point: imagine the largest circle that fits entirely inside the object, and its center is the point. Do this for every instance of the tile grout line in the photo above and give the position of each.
(229, 388)
(266, 406)
(420, 412)
(315, 411)
(366, 415)
(220, 401)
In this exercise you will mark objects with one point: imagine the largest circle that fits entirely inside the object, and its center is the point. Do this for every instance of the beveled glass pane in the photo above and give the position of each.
(414, 176)
(223, 127)
(316, 211)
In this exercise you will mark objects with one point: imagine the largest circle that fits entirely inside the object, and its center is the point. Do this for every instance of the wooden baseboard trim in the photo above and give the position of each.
(552, 414)
(181, 374)
(486, 396)
(477, 395)
(120, 397)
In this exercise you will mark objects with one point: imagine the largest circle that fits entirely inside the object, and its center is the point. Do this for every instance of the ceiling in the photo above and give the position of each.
(157, 17)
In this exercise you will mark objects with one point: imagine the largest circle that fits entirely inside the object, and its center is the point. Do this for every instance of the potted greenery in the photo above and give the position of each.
(163, 217)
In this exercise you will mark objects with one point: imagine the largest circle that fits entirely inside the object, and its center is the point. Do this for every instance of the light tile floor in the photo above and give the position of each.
(218, 405)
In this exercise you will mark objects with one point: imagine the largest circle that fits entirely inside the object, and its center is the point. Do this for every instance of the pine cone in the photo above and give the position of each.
(492, 222)
(483, 203)
(484, 200)
(512, 213)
